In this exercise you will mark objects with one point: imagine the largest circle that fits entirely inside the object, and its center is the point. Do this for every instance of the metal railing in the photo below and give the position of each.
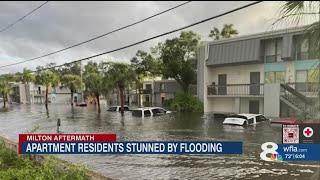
(39, 93)
(298, 99)
(306, 88)
(235, 89)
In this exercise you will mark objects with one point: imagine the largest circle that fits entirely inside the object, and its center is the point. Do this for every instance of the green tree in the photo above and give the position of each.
(121, 75)
(5, 87)
(73, 82)
(178, 58)
(227, 31)
(144, 65)
(26, 77)
(94, 78)
(48, 79)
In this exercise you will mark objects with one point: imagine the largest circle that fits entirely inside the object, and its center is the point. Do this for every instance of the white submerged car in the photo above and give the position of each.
(149, 112)
(118, 108)
(244, 119)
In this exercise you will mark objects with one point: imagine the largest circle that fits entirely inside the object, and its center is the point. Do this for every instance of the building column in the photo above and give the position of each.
(271, 102)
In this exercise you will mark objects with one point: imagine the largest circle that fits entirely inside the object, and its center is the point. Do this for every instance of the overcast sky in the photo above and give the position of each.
(60, 24)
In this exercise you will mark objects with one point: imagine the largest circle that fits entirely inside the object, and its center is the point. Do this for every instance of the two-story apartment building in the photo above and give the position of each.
(243, 74)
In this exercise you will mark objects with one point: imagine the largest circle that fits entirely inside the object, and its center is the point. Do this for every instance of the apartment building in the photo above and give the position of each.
(274, 73)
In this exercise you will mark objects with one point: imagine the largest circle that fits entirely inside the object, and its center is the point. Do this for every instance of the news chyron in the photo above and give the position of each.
(300, 142)
(107, 144)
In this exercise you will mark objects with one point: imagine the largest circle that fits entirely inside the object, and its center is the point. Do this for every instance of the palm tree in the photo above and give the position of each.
(227, 31)
(73, 82)
(5, 88)
(121, 75)
(94, 81)
(48, 79)
(26, 77)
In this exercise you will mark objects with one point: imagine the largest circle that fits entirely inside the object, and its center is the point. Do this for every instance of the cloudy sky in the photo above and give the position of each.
(60, 24)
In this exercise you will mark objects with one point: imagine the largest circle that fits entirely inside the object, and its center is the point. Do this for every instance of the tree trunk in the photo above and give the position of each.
(98, 102)
(121, 101)
(71, 98)
(25, 89)
(46, 102)
(4, 101)
(139, 96)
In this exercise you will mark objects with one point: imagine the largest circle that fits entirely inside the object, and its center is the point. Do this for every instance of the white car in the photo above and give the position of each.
(244, 119)
(117, 108)
(1, 99)
(150, 111)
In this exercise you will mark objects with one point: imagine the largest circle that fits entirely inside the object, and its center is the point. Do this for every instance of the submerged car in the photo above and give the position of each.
(244, 119)
(150, 111)
(82, 104)
(118, 108)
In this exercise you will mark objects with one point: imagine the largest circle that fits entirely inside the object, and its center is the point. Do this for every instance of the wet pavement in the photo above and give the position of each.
(176, 127)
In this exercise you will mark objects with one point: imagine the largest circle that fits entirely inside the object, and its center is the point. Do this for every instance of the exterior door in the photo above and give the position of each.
(254, 107)
(222, 84)
(254, 83)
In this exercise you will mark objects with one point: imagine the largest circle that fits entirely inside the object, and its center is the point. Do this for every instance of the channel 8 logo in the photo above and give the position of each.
(272, 149)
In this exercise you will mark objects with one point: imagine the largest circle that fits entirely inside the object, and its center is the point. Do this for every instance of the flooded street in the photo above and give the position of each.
(175, 127)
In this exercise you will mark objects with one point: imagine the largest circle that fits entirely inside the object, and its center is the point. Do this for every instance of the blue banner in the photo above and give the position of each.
(131, 147)
(299, 152)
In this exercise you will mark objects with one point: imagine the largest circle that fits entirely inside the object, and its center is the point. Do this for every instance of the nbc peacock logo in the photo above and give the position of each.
(270, 148)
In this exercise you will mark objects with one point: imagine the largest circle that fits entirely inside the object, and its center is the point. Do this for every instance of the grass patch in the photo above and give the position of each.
(14, 167)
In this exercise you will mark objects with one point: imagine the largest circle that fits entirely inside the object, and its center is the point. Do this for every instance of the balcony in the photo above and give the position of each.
(235, 90)
(38, 93)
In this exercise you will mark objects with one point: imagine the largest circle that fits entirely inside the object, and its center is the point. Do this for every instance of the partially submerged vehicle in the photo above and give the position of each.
(82, 104)
(118, 108)
(150, 111)
(244, 119)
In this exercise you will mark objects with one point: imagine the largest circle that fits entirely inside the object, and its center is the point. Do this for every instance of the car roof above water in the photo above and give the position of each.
(148, 108)
(248, 116)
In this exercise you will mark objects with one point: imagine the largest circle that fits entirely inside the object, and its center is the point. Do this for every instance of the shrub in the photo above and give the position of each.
(186, 103)
(23, 167)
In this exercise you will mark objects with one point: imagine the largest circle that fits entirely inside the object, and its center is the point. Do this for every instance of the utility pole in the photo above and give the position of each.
(81, 80)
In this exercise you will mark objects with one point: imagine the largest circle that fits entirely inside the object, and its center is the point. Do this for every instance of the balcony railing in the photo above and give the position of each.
(38, 93)
(236, 89)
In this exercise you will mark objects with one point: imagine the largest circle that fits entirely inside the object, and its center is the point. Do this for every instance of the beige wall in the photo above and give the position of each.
(235, 74)
(220, 104)
(228, 104)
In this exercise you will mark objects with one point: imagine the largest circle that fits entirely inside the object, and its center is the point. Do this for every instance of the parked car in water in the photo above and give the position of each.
(150, 111)
(244, 119)
(82, 104)
(117, 108)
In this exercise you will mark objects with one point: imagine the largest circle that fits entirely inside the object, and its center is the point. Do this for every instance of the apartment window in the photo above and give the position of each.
(148, 86)
(275, 77)
(273, 50)
(301, 76)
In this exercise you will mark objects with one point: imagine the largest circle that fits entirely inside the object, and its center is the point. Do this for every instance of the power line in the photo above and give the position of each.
(154, 37)
(75, 45)
(23, 17)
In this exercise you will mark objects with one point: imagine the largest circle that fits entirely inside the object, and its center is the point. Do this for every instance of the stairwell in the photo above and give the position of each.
(306, 106)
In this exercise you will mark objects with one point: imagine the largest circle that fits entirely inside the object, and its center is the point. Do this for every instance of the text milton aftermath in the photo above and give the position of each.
(60, 137)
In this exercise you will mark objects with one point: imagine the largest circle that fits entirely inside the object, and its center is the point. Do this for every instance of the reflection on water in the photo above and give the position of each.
(175, 127)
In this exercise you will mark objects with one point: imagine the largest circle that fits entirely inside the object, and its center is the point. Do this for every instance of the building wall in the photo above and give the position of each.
(220, 104)
(235, 74)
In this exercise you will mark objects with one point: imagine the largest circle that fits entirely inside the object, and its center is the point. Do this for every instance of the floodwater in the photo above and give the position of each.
(176, 127)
